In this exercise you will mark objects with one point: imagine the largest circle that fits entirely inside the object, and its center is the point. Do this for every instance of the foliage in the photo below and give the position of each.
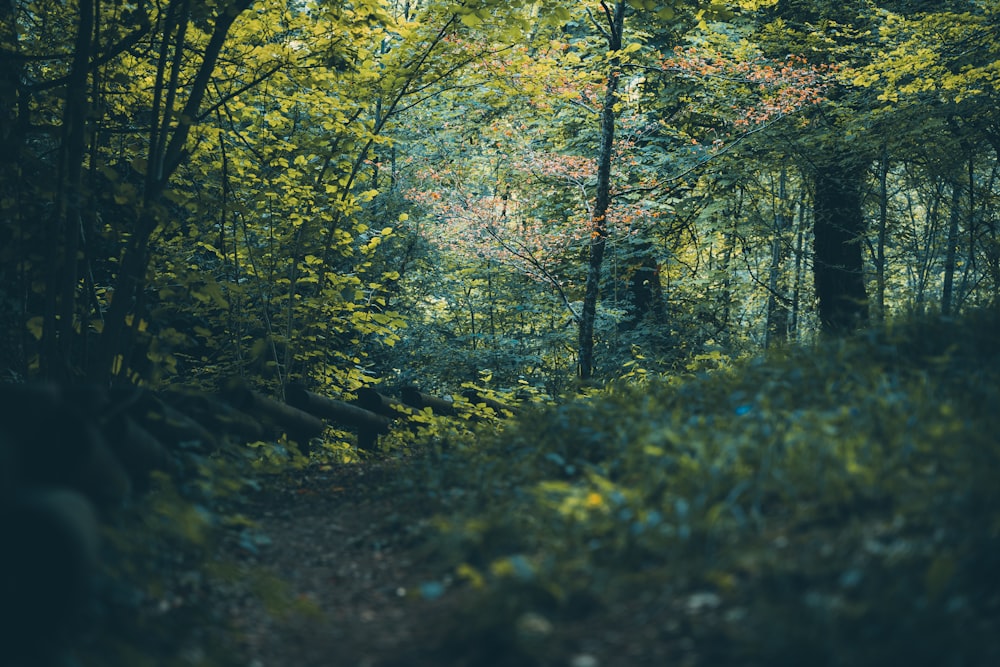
(385, 193)
(283, 207)
(919, 60)
(829, 506)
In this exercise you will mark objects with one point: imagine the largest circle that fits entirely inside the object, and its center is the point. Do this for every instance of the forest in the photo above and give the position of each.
(427, 332)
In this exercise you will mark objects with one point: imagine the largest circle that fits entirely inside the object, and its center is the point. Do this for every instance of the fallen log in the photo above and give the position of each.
(374, 401)
(172, 427)
(216, 414)
(368, 424)
(299, 425)
(419, 400)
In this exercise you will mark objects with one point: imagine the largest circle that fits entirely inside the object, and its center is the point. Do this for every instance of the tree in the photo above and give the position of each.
(68, 98)
(835, 156)
(934, 76)
(527, 204)
(174, 111)
(838, 229)
(614, 16)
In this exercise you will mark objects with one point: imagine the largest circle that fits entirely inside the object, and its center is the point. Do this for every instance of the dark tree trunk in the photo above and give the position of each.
(599, 223)
(732, 218)
(10, 82)
(972, 232)
(12, 187)
(65, 225)
(644, 289)
(838, 262)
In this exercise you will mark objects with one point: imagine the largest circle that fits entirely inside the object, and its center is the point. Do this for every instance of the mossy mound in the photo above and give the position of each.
(836, 505)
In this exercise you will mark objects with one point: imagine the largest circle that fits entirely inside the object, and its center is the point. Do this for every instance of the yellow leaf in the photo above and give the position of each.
(35, 326)
(470, 574)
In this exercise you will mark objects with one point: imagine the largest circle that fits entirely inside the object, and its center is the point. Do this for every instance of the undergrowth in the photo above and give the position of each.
(834, 505)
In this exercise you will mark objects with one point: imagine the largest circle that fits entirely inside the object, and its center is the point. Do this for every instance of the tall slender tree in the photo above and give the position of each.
(612, 28)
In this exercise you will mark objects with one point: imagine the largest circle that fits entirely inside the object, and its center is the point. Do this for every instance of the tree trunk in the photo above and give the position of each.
(12, 187)
(732, 218)
(951, 251)
(65, 224)
(992, 241)
(796, 308)
(838, 262)
(10, 83)
(883, 219)
(777, 313)
(972, 231)
(645, 292)
(599, 223)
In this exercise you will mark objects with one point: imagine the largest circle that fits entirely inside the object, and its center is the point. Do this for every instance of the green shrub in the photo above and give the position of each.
(835, 505)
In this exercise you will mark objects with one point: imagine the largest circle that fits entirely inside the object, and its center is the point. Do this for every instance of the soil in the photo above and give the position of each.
(348, 562)
(352, 561)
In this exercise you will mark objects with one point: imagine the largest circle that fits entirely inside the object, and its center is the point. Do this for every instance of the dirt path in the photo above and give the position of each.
(351, 567)
(348, 556)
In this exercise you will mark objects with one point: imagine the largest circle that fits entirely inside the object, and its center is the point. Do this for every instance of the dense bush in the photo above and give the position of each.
(834, 505)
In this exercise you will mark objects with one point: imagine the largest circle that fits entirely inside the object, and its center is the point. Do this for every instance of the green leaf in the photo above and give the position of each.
(470, 20)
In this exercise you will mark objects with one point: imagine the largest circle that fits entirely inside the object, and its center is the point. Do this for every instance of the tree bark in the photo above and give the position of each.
(951, 251)
(972, 230)
(793, 325)
(599, 223)
(883, 220)
(777, 313)
(838, 262)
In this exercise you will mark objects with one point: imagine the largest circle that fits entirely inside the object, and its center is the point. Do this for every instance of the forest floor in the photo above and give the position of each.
(348, 554)
(342, 551)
